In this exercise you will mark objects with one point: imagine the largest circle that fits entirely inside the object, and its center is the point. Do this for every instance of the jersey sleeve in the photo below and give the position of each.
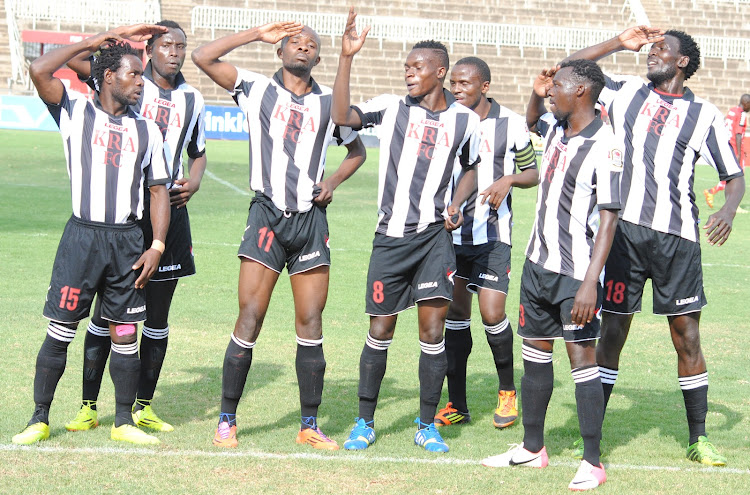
(343, 135)
(66, 106)
(196, 148)
(717, 151)
(608, 174)
(244, 82)
(545, 124)
(157, 171)
(612, 84)
(371, 112)
(468, 154)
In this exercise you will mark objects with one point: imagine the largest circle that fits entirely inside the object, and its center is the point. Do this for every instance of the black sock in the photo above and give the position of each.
(372, 364)
(237, 360)
(50, 365)
(608, 377)
(458, 345)
(311, 368)
(124, 368)
(153, 351)
(432, 367)
(590, 405)
(501, 345)
(695, 393)
(536, 391)
(95, 354)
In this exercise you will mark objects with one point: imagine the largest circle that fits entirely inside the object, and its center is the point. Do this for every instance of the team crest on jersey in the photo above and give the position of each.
(616, 159)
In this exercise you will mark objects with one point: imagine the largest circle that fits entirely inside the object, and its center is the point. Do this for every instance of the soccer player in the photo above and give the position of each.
(663, 128)
(289, 117)
(483, 243)
(111, 152)
(736, 124)
(576, 216)
(178, 110)
(425, 138)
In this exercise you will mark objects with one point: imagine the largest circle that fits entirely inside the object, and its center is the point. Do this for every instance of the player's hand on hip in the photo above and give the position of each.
(182, 191)
(637, 37)
(455, 218)
(322, 193)
(274, 32)
(150, 262)
(584, 305)
(352, 42)
(718, 227)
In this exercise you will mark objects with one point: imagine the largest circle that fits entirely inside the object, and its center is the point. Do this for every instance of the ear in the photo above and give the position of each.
(317, 61)
(683, 61)
(441, 73)
(149, 50)
(485, 87)
(581, 90)
(109, 76)
(278, 52)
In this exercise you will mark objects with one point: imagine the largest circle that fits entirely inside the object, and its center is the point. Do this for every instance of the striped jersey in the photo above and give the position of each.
(108, 158)
(736, 123)
(504, 144)
(289, 135)
(420, 151)
(180, 114)
(662, 136)
(579, 176)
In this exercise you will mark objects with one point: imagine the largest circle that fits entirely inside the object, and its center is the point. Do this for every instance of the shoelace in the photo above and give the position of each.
(322, 435)
(224, 430)
(506, 402)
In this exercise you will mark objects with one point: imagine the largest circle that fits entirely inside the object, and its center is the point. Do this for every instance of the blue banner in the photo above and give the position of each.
(25, 112)
(225, 123)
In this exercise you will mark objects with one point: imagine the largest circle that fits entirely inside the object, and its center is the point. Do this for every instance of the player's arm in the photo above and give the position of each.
(41, 70)
(467, 185)
(528, 177)
(535, 109)
(355, 157)
(719, 225)
(351, 43)
(632, 39)
(179, 196)
(584, 305)
(149, 260)
(738, 142)
(208, 57)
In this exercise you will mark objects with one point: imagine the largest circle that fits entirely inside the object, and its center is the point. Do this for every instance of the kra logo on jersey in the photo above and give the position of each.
(663, 114)
(296, 123)
(430, 133)
(115, 140)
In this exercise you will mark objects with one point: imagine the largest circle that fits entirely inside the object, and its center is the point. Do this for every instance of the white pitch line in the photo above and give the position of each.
(225, 183)
(340, 458)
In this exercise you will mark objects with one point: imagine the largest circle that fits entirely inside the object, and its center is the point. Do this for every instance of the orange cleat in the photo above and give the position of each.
(315, 438)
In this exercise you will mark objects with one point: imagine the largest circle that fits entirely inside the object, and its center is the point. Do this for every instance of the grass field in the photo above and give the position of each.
(645, 432)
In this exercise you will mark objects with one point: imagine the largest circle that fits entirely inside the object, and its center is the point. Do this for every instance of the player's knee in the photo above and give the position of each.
(124, 333)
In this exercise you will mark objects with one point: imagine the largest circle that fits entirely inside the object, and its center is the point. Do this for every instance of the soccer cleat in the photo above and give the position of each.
(32, 434)
(316, 438)
(226, 436)
(449, 415)
(506, 412)
(578, 448)
(131, 434)
(86, 419)
(429, 438)
(518, 456)
(704, 452)
(588, 477)
(147, 418)
(709, 198)
(361, 436)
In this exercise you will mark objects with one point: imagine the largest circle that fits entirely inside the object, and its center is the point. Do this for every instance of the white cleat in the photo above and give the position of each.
(518, 456)
(588, 477)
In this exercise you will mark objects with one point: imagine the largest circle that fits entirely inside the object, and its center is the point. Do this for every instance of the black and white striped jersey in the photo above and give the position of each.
(289, 135)
(108, 158)
(504, 145)
(662, 136)
(419, 152)
(180, 114)
(579, 176)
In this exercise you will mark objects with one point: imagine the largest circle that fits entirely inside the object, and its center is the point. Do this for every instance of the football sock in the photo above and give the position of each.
(237, 360)
(372, 364)
(432, 367)
(153, 349)
(608, 377)
(458, 345)
(50, 365)
(311, 368)
(536, 391)
(228, 418)
(500, 339)
(96, 346)
(590, 405)
(695, 393)
(124, 368)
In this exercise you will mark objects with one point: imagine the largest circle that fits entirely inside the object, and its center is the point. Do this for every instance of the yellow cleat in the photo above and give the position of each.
(709, 198)
(506, 412)
(32, 434)
(131, 434)
(86, 419)
(147, 418)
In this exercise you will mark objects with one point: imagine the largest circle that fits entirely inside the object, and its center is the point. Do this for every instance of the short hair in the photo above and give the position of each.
(745, 97)
(480, 65)
(285, 39)
(589, 71)
(110, 58)
(167, 24)
(689, 48)
(436, 46)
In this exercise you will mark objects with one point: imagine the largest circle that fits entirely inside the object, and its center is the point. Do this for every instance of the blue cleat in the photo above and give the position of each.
(428, 438)
(361, 437)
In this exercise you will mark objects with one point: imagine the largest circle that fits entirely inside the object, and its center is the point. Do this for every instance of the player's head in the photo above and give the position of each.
(677, 55)
(745, 102)
(426, 67)
(167, 50)
(470, 81)
(575, 87)
(118, 72)
(301, 52)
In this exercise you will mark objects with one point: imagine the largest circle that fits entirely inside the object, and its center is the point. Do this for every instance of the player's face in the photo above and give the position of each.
(422, 72)
(664, 59)
(168, 53)
(467, 85)
(746, 106)
(563, 94)
(127, 81)
(301, 53)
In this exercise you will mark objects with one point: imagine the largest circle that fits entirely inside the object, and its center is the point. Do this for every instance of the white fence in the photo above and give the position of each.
(19, 69)
(107, 13)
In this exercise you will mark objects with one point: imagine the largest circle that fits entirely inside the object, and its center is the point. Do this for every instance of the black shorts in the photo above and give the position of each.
(672, 263)
(177, 260)
(406, 270)
(546, 302)
(96, 258)
(485, 266)
(297, 240)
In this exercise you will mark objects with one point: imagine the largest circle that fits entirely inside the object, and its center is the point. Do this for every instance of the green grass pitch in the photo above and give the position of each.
(645, 431)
